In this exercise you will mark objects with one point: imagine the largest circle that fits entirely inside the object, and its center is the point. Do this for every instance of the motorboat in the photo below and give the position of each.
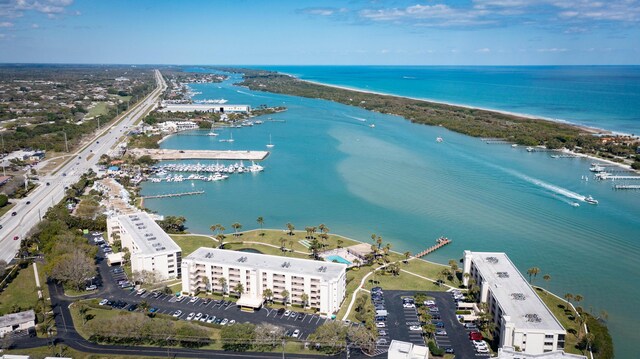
(270, 145)
(590, 200)
(439, 139)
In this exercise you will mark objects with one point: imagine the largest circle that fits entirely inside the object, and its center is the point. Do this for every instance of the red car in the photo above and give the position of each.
(475, 336)
(15, 238)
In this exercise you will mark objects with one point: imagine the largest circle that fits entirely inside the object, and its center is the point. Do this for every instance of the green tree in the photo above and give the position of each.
(220, 237)
(546, 277)
(290, 228)
(330, 337)
(238, 337)
(267, 294)
(239, 289)
(569, 298)
(235, 227)
(222, 282)
(305, 299)
(533, 271)
(407, 255)
(213, 228)
(285, 296)
(4, 200)
(260, 221)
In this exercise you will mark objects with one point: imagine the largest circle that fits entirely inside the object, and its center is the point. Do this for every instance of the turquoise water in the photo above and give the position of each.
(338, 259)
(395, 180)
(598, 96)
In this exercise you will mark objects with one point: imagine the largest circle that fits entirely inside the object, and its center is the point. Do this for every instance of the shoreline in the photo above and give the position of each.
(590, 129)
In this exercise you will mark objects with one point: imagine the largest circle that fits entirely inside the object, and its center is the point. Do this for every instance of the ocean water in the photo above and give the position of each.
(598, 96)
(328, 166)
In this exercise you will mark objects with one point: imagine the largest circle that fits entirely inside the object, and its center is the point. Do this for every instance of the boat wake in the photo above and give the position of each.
(357, 118)
(246, 93)
(553, 188)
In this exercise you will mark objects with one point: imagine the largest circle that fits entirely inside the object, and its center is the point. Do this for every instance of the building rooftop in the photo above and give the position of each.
(17, 318)
(147, 234)
(324, 270)
(515, 296)
(511, 353)
(404, 350)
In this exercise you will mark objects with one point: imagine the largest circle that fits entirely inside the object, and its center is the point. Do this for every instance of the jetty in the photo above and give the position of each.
(180, 194)
(440, 242)
(626, 186)
(166, 154)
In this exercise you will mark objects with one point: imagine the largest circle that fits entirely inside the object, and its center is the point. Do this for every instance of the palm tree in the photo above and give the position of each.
(308, 230)
(291, 245)
(339, 241)
(260, 221)
(220, 237)
(267, 294)
(206, 282)
(290, 228)
(568, 297)
(407, 254)
(239, 289)
(213, 228)
(285, 296)
(532, 271)
(546, 277)
(379, 241)
(221, 228)
(305, 299)
(578, 298)
(235, 227)
(222, 281)
(357, 262)
(322, 227)
(282, 242)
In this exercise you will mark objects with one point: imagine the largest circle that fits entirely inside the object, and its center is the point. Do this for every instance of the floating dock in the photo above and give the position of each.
(440, 242)
(165, 154)
(626, 186)
(173, 195)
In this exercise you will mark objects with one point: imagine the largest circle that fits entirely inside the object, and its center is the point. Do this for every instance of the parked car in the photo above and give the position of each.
(449, 350)
(198, 316)
(232, 322)
(408, 305)
(91, 287)
(217, 321)
(224, 321)
(153, 310)
(293, 314)
(206, 301)
(103, 302)
(296, 333)
(177, 313)
(382, 332)
(193, 299)
(204, 318)
(287, 313)
(475, 336)
(482, 350)
(16, 238)
(429, 302)
(382, 341)
(211, 319)
(470, 326)
(380, 325)
(141, 291)
(132, 307)
(180, 298)
(191, 315)
(441, 332)
(415, 328)
(281, 311)
(438, 324)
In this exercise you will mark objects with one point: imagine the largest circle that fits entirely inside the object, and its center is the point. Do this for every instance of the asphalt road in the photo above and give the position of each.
(43, 197)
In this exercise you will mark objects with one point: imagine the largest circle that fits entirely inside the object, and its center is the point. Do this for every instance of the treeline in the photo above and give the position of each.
(138, 329)
(70, 259)
(472, 122)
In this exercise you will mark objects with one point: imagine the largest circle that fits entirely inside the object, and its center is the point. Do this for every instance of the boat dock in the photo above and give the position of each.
(440, 242)
(181, 194)
(564, 156)
(166, 154)
(626, 186)
(619, 178)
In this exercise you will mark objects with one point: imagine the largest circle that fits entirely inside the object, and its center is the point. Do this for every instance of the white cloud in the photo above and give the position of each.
(323, 11)
(35, 26)
(17, 8)
(484, 50)
(553, 49)
(428, 15)
(6, 24)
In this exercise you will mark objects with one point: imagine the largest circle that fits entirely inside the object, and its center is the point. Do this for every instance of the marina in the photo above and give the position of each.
(169, 154)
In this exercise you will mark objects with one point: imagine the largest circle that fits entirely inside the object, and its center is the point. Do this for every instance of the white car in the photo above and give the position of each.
(103, 302)
(415, 327)
(211, 319)
(91, 287)
(482, 350)
(198, 316)
(409, 305)
(180, 298)
(232, 322)
(141, 291)
(204, 318)
(193, 299)
(177, 313)
(224, 321)
(191, 315)
(286, 313)
(429, 302)
(380, 325)
(381, 341)
(296, 333)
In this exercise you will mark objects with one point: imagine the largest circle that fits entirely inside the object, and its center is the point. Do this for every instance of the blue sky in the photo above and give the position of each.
(428, 32)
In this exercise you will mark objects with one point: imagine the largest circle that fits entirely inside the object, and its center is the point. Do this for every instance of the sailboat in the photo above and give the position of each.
(213, 131)
(270, 145)
(228, 140)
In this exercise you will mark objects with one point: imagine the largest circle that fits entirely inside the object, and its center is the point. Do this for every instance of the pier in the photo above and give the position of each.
(626, 186)
(166, 154)
(440, 242)
(618, 178)
(181, 194)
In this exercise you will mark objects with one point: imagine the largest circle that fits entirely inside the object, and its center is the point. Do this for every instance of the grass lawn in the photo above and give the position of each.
(272, 236)
(65, 351)
(99, 109)
(190, 243)
(404, 281)
(264, 249)
(6, 208)
(557, 307)
(21, 293)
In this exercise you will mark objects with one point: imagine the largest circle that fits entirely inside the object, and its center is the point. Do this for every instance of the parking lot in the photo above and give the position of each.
(112, 290)
(400, 319)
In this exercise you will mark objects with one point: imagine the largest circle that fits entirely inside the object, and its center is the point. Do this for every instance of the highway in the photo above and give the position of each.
(51, 189)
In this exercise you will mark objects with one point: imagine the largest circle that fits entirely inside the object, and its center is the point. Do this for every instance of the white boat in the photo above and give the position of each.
(255, 167)
(372, 125)
(529, 149)
(270, 145)
(575, 204)
(213, 131)
(596, 168)
(439, 139)
(230, 138)
(258, 122)
(590, 200)
(514, 145)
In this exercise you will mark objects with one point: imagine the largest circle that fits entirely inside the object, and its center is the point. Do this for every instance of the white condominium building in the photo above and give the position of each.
(151, 248)
(522, 319)
(324, 283)
(511, 353)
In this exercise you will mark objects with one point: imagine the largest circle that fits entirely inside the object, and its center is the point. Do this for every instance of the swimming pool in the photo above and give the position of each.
(338, 259)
